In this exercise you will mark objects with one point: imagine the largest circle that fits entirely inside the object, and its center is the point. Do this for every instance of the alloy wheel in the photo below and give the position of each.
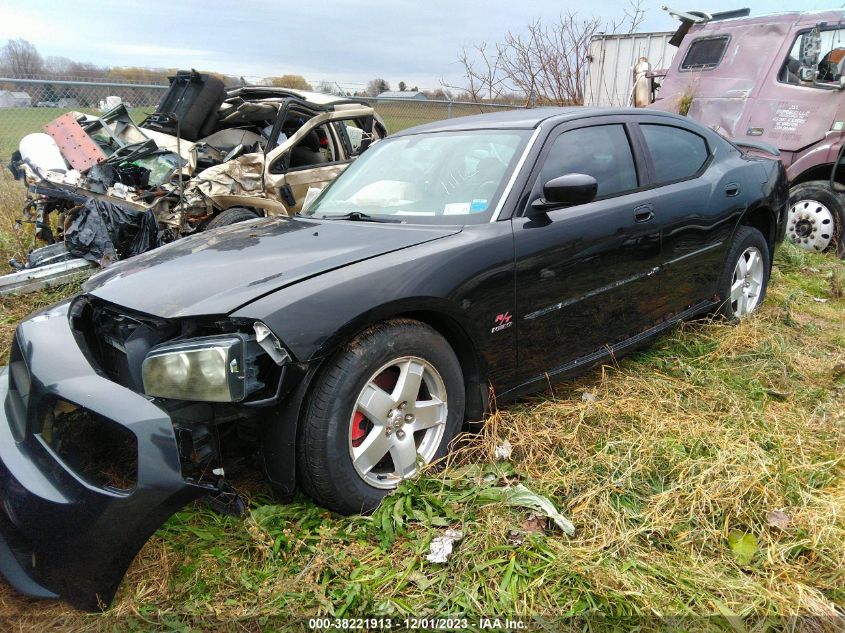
(747, 282)
(398, 421)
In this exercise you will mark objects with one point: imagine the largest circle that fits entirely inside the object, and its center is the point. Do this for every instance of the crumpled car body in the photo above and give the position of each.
(269, 147)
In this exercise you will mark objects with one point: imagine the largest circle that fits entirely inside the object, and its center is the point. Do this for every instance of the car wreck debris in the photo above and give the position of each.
(204, 151)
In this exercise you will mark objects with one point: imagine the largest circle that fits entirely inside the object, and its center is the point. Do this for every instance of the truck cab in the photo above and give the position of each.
(776, 79)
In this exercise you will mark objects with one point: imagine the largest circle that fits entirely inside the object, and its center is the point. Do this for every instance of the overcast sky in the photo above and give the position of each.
(349, 41)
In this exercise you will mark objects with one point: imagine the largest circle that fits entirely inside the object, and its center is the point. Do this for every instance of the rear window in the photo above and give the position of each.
(676, 153)
(705, 53)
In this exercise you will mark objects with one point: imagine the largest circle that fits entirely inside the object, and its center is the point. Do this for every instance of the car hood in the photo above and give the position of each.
(218, 271)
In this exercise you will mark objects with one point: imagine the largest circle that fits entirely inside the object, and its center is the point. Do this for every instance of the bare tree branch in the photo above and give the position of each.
(546, 64)
(20, 58)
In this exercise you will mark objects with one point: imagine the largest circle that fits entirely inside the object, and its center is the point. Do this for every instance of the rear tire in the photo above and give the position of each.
(363, 432)
(745, 276)
(816, 217)
(231, 216)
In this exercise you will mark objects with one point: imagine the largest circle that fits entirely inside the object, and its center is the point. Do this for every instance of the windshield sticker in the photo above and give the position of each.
(478, 206)
(456, 208)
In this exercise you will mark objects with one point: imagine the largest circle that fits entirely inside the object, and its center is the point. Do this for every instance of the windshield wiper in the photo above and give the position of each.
(358, 216)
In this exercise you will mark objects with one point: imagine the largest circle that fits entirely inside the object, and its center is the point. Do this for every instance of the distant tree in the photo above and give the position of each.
(297, 82)
(20, 58)
(546, 62)
(328, 88)
(440, 94)
(402, 86)
(376, 86)
(58, 66)
(415, 89)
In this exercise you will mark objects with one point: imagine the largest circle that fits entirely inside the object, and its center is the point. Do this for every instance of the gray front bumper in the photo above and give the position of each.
(61, 536)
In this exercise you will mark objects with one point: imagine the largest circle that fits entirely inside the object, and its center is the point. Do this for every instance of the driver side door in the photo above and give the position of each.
(587, 275)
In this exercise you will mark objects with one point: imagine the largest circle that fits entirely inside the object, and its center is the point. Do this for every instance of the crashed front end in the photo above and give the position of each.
(91, 466)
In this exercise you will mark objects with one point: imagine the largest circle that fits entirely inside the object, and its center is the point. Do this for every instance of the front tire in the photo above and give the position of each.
(232, 215)
(816, 217)
(745, 277)
(387, 402)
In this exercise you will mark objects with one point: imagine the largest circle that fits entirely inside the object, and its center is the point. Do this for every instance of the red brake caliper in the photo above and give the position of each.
(359, 429)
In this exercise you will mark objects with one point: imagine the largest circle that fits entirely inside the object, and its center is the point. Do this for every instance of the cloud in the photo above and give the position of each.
(16, 23)
(152, 50)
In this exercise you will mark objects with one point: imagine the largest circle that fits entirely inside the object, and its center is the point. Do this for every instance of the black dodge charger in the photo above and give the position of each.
(479, 255)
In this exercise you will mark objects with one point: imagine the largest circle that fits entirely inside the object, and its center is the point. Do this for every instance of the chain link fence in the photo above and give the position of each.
(26, 105)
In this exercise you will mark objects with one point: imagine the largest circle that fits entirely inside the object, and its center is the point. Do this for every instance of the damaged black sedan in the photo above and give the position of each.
(353, 341)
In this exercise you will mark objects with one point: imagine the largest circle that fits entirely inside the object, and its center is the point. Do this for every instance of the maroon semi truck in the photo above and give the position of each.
(776, 79)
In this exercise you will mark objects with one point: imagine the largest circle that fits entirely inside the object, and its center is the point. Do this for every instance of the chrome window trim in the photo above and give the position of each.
(509, 186)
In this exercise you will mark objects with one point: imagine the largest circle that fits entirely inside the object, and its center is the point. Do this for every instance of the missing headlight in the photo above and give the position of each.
(102, 452)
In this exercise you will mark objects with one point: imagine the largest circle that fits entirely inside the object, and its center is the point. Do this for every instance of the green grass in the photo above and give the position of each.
(680, 450)
(401, 115)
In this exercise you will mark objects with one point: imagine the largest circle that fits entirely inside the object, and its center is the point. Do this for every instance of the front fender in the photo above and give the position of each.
(464, 279)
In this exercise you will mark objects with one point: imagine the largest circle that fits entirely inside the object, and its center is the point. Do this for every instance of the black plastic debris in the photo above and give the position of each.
(104, 232)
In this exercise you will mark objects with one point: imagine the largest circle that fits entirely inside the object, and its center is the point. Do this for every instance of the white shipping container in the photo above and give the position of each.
(611, 62)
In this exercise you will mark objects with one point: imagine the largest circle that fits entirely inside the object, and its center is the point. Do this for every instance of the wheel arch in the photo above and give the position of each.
(817, 172)
(762, 218)
(437, 316)
(279, 435)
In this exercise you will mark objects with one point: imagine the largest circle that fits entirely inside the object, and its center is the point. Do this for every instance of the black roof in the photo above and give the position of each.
(524, 118)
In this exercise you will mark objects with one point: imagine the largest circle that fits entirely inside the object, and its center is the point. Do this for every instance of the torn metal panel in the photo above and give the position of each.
(241, 176)
(73, 141)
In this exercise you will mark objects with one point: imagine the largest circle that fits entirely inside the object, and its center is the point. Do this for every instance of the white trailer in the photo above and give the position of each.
(611, 62)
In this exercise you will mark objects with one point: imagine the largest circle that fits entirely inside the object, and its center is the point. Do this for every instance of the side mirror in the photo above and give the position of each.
(808, 55)
(834, 183)
(566, 191)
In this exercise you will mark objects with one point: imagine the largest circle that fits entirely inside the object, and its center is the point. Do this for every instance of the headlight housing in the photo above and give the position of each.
(209, 369)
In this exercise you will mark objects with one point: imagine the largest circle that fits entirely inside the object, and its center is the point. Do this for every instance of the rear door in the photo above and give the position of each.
(586, 274)
(697, 195)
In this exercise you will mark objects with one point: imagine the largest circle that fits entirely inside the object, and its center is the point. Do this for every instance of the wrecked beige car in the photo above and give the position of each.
(202, 160)
(313, 139)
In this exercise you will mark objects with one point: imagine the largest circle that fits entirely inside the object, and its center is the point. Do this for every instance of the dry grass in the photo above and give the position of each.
(702, 435)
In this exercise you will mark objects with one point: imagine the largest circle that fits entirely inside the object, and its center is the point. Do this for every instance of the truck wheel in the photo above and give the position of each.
(816, 217)
(231, 216)
(388, 402)
(745, 277)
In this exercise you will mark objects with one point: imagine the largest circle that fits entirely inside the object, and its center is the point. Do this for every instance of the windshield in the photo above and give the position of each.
(441, 177)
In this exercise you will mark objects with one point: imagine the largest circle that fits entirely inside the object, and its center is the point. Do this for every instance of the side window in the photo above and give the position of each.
(354, 132)
(315, 148)
(816, 58)
(675, 152)
(705, 53)
(602, 151)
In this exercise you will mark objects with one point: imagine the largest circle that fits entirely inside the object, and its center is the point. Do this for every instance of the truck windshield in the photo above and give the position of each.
(440, 177)
(803, 68)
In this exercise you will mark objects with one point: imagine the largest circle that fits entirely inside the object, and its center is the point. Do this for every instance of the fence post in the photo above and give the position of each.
(449, 110)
